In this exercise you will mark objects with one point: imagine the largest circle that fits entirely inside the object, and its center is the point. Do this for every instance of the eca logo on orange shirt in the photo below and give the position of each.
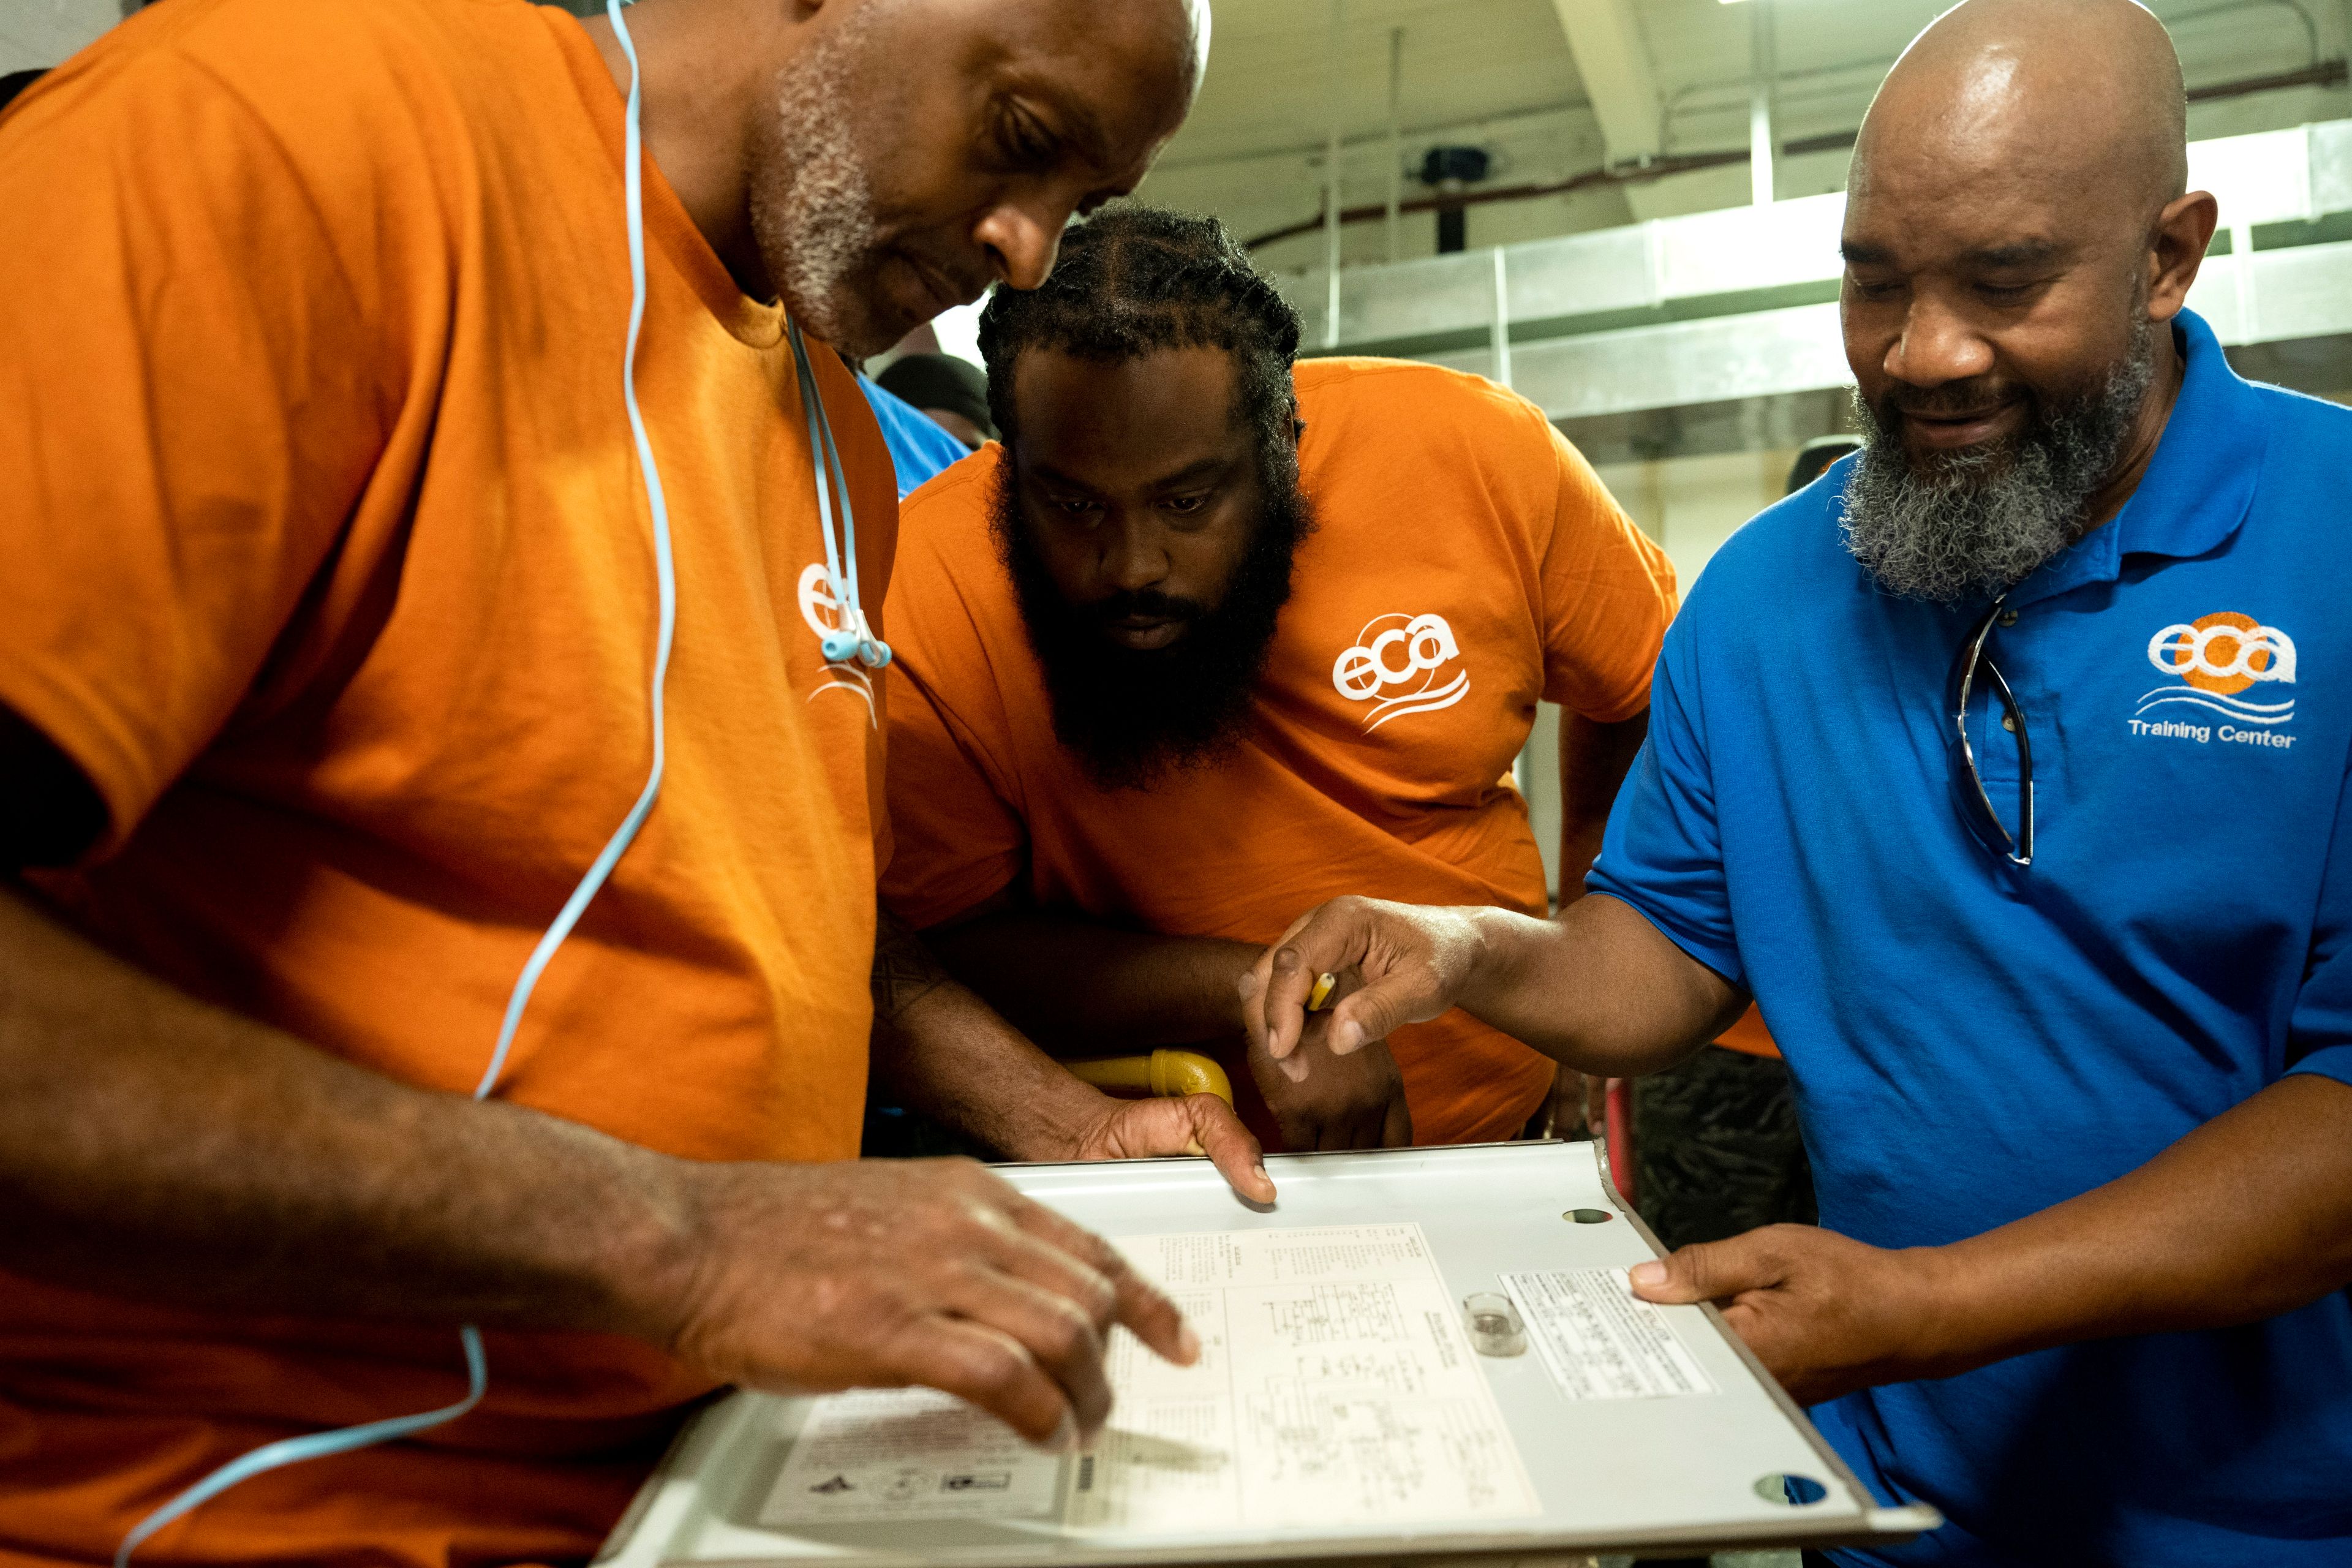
(825, 615)
(2213, 660)
(1402, 665)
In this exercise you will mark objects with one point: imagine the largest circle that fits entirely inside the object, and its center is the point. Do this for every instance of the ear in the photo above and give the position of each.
(2177, 249)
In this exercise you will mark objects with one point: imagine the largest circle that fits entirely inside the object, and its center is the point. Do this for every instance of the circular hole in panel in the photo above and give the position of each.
(1588, 1216)
(1790, 1490)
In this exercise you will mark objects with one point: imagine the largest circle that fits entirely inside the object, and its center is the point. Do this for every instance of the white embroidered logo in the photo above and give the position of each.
(824, 614)
(2215, 661)
(1399, 665)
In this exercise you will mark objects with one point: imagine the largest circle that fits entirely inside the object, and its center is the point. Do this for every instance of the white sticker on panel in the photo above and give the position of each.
(1600, 1341)
(906, 1453)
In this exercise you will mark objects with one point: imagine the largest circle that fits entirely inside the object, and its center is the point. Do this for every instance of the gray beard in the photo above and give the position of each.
(812, 215)
(1975, 523)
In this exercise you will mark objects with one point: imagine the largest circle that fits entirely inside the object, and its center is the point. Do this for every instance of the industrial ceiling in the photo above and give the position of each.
(1556, 90)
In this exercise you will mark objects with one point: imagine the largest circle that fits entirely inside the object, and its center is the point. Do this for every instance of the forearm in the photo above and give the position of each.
(1081, 987)
(1599, 988)
(156, 1146)
(2248, 1217)
(950, 1056)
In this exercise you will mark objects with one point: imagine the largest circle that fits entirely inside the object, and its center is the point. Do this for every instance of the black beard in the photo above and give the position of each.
(1977, 522)
(1135, 715)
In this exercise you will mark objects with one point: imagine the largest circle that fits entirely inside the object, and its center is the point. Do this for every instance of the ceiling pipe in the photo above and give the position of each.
(1334, 215)
(1759, 104)
(1396, 136)
(1657, 169)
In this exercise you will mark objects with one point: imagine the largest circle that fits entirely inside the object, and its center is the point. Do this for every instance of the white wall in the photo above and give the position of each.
(39, 33)
(1691, 505)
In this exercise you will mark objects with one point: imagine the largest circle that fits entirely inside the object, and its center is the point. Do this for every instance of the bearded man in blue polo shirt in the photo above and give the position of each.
(2005, 767)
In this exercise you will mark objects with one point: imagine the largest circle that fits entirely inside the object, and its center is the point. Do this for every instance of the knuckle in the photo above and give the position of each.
(961, 1274)
(1102, 1296)
(1085, 1290)
(1069, 1332)
(993, 1368)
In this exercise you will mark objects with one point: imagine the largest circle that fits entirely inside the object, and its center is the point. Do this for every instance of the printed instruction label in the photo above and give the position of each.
(1334, 1382)
(1600, 1341)
(910, 1452)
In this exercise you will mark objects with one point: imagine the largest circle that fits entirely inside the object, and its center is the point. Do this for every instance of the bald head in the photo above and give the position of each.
(1199, 17)
(2081, 96)
(2017, 240)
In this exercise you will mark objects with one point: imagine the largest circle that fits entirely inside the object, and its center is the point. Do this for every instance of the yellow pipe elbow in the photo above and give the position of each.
(1164, 1074)
(1175, 1073)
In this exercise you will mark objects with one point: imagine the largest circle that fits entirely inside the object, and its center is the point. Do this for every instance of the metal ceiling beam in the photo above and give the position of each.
(1607, 42)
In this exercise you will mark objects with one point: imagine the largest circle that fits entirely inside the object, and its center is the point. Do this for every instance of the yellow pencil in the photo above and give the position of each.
(1323, 984)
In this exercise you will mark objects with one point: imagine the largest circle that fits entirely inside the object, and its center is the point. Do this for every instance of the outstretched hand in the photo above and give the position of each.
(1825, 1313)
(887, 1273)
(1405, 964)
(1193, 1124)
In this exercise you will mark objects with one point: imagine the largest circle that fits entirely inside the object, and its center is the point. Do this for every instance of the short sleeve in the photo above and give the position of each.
(954, 842)
(1608, 596)
(186, 414)
(1663, 853)
(2319, 1031)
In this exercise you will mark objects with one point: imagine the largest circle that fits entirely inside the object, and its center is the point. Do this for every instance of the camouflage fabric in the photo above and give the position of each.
(1717, 1151)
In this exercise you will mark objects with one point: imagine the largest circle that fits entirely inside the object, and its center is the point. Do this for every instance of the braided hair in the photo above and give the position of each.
(1133, 281)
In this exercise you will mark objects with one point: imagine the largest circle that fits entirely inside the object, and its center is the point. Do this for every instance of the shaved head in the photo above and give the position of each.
(2018, 239)
(1200, 19)
(2081, 96)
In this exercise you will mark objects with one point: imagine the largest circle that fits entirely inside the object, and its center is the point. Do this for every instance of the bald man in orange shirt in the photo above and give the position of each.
(1211, 633)
(328, 563)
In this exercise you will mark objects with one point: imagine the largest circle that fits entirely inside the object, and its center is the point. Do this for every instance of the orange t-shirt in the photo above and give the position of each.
(1466, 562)
(1749, 1037)
(327, 557)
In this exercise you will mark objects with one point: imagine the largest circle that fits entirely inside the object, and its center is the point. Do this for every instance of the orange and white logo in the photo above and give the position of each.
(1400, 665)
(824, 616)
(2215, 659)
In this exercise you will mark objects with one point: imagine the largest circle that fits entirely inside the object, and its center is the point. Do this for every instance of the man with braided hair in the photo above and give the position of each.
(1212, 635)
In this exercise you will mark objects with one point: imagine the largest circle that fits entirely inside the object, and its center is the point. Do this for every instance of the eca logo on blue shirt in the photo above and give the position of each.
(2215, 660)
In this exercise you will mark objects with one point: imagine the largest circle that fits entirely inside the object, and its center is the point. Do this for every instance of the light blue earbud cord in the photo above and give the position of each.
(812, 410)
(318, 1444)
(854, 638)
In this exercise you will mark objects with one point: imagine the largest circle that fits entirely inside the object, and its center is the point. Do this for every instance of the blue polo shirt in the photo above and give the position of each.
(1972, 1042)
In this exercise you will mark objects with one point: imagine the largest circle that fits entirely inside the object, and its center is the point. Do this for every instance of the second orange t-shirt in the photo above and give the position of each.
(1440, 498)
